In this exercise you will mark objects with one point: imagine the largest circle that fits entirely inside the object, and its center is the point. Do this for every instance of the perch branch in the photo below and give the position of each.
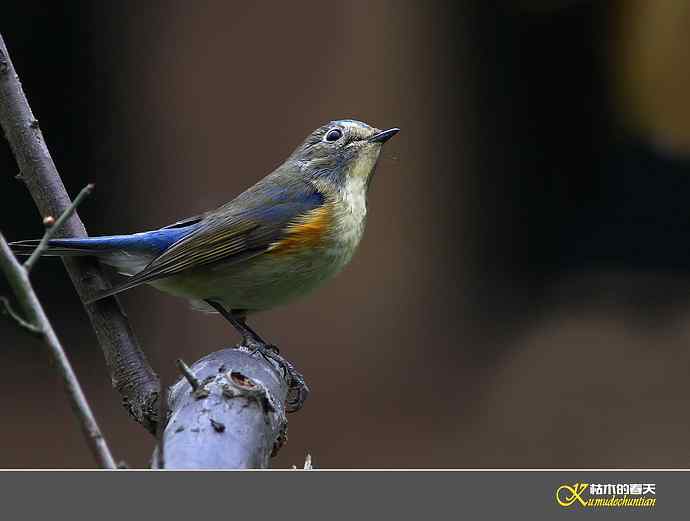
(129, 369)
(18, 278)
(227, 411)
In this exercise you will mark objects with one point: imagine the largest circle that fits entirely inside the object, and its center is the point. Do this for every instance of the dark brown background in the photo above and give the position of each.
(522, 295)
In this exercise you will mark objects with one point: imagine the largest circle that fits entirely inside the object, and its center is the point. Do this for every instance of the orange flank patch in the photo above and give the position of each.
(306, 232)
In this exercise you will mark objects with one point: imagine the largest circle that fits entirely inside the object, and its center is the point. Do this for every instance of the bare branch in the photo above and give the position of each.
(21, 286)
(52, 227)
(25, 325)
(129, 369)
(238, 422)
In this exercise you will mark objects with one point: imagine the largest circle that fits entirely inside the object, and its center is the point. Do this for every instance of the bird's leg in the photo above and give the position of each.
(250, 339)
(298, 388)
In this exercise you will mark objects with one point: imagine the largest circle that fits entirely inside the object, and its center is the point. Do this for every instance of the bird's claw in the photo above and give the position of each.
(298, 390)
(264, 349)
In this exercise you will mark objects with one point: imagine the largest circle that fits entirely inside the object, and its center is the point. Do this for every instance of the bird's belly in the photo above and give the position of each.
(263, 282)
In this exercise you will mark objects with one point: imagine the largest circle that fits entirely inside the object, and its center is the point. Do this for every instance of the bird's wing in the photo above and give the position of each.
(244, 228)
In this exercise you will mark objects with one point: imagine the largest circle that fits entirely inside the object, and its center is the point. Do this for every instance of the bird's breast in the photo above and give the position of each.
(349, 217)
(334, 229)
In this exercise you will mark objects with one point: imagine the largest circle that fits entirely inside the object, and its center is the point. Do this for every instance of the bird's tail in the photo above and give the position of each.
(147, 243)
(67, 247)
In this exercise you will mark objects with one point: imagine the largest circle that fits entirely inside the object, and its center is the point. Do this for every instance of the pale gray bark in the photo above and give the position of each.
(227, 412)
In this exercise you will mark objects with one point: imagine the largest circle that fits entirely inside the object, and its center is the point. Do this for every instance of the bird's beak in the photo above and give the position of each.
(384, 135)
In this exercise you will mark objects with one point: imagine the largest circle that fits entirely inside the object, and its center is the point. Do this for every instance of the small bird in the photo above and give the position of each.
(278, 240)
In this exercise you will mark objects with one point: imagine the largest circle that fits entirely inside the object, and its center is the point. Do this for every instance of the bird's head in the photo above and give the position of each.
(342, 150)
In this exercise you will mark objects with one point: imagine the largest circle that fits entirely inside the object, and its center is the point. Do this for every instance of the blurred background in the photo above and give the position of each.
(522, 295)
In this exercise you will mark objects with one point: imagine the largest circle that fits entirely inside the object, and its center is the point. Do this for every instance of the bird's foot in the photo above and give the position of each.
(265, 350)
(298, 390)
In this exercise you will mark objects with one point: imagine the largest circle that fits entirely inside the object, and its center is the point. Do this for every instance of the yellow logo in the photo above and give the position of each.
(567, 495)
(606, 495)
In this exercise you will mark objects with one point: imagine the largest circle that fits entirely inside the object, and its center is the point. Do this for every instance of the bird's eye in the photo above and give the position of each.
(334, 135)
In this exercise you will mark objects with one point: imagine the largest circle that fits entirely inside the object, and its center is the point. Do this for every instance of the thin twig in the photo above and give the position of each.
(129, 369)
(18, 278)
(51, 230)
(24, 324)
(188, 374)
(307, 463)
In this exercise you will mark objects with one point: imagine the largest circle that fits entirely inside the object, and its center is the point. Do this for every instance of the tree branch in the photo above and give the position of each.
(18, 278)
(18, 320)
(129, 369)
(231, 416)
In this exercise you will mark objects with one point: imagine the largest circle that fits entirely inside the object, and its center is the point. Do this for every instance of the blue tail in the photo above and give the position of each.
(146, 243)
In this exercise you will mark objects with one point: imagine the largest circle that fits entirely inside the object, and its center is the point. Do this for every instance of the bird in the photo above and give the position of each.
(276, 241)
